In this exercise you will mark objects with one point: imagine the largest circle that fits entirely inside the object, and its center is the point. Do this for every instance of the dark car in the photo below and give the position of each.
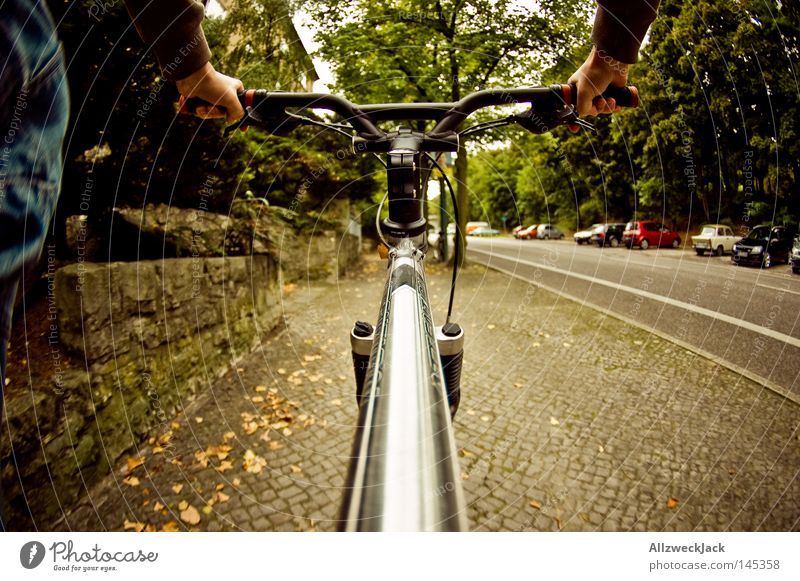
(608, 234)
(796, 256)
(763, 246)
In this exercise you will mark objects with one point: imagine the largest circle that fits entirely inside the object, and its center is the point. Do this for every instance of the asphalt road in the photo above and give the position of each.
(747, 317)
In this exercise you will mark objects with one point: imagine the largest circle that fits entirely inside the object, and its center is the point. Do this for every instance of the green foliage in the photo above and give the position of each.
(127, 145)
(715, 138)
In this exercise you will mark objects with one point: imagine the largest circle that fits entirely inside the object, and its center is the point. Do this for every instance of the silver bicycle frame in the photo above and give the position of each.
(404, 475)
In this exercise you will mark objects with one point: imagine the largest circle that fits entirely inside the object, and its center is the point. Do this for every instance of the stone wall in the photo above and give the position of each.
(132, 343)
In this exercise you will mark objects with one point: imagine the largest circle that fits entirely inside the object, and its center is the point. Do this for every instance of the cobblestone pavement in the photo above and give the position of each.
(570, 420)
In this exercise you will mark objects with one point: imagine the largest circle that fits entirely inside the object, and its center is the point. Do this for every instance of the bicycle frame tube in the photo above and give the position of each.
(404, 475)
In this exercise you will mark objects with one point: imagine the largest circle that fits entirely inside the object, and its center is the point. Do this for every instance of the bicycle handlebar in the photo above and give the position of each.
(271, 107)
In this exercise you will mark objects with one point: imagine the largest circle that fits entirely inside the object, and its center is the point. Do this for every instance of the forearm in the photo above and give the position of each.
(620, 27)
(173, 28)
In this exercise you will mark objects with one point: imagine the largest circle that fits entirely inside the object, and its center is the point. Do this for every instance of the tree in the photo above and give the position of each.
(409, 50)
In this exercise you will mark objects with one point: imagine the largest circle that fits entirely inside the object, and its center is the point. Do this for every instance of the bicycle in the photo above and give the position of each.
(404, 472)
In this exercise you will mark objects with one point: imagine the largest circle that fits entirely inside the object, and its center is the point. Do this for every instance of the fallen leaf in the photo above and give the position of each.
(485, 418)
(261, 388)
(201, 458)
(174, 425)
(536, 504)
(198, 420)
(135, 526)
(282, 371)
(131, 481)
(275, 445)
(190, 515)
(158, 507)
(490, 326)
(183, 505)
(223, 466)
(158, 450)
(222, 497)
(150, 529)
(207, 509)
(336, 402)
(287, 432)
(176, 488)
(584, 516)
(228, 436)
(219, 486)
(554, 421)
(253, 463)
(236, 482)
(600, 448)
(134, 463)
(170, 527)
(295, 469)
(672, 502)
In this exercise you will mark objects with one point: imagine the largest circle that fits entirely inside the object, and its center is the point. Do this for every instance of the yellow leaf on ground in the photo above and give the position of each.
(133, 526)
(261, 388)
(183, 505)
(228, 436)
(554, 421)
(336, 402)
(158, 506)
(190, 515)
(176, 488)
(131, 481)
(223, 466)
(672, 502)
(208, 509)
(295, 469)
(219, 486)
(134, 463)
(222, 497)
(158, 450)
(201, 458)
(236, 482)
(198, 420)
(536, 504)
(253, 463)
(170, 527)
(174, 425)
(282, 371)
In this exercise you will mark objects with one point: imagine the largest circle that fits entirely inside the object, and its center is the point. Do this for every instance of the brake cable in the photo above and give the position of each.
(456, 255)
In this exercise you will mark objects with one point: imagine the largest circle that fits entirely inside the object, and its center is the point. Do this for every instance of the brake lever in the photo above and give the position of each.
(540, 124)
(273, 125)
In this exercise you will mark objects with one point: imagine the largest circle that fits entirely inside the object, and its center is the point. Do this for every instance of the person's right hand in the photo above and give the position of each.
(216, 88)
(592, 78)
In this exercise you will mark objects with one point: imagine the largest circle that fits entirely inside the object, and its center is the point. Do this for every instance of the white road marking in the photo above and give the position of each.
(788, 339)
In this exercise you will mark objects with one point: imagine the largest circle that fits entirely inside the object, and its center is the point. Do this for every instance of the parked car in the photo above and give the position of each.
(527, 233)
(548, 231)
(714, 238)
(473, 225)
(608, 234)
(517, 229)
(646, 233)
(796, 256)
(483, 231)
(584, 236)
(763, 246)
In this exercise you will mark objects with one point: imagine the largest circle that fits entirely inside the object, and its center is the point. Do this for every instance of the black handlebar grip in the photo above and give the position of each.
(624, 96)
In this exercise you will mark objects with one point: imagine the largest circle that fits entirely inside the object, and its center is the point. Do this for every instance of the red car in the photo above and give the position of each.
(646, 233)
(527, 233)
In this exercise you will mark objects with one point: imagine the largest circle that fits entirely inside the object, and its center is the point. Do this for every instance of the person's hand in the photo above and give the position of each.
(215, 88)
(592, 78)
